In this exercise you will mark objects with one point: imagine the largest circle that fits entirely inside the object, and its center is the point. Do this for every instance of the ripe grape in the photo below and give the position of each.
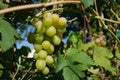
(40, 64)
(42, 54)
(46, 44)
(41, 29)
(49, 60)
(97, 41)
(50, 50)
(59, 30)
(38, 24)
(62, 22)
(47, 21)
(103, 43)
(45, 70)
(56, 40)
(39, 38)
(55, 18)
(35, 56)
(47, 15)
(34, 21)
(51, 31)
(37, 47)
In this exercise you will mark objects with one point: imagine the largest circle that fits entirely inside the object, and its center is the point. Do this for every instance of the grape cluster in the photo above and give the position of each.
(101, 39)
(49, 32)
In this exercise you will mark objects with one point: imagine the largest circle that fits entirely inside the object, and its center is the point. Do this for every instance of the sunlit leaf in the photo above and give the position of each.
(102, 59)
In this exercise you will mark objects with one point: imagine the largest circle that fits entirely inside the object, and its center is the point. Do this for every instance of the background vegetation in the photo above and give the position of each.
(92, 49)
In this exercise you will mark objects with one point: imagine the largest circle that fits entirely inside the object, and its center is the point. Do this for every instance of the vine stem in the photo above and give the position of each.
(28, 6)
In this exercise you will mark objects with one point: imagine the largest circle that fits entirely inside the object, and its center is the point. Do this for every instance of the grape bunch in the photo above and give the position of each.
(101, 39)
(49, 32)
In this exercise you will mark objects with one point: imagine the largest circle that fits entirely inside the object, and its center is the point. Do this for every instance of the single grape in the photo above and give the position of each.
(49, 60)
(62, 21)
(51, 31)
(40, 64)
(45, 70)
(46, 44)
(47, 21)
(50, 50)
(47, 15)
(31, 37)
(35, 56)
(39, 38)
(97, 41)
(37, 47)
(38, 24)
(56, 40)
(55, 18)
(42, 54)
(59, 30)
(34, 21)
(41, 29)
(103, 43)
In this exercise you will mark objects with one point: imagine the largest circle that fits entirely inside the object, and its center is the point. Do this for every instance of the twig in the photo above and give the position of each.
(23, 7)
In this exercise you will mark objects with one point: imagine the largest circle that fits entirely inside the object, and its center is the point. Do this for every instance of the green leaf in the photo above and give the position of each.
(73, 38)
(78, 69)
(68, 74)
(85, 47)
(100, 57)
(61, 63)
(75, 55)
(8, 34)
(88, 3)
(117, 54)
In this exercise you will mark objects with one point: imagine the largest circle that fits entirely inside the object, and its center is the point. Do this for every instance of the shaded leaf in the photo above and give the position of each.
(61, 63)
(87, 3)
(68, 74)
(8, 34)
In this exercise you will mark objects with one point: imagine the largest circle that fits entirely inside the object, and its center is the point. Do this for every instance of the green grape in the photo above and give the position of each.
(38, 24)
(51, 31)
(50, 50)
(40, 64)
(103, 43)
(47, 21)
(60, 35)
(35, 56)
(49, 60)
(62, 22)
(46, 44)
(55, 18)
(45, 70)
(41, 29)
(97, 41)
(39, 38)
(37, 47)
(47, 15)
(31, 37)
(34, 21)
(56, 40)
(42, 54)
(59, 30)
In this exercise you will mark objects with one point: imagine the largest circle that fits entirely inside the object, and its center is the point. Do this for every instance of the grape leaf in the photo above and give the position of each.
(100, 57)
(76, 55)
(8, 34)
(117, 54)
(87, 3)
(68, 74)
(61, 63)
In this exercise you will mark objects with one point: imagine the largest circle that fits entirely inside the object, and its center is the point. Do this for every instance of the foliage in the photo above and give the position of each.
(89, 50)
